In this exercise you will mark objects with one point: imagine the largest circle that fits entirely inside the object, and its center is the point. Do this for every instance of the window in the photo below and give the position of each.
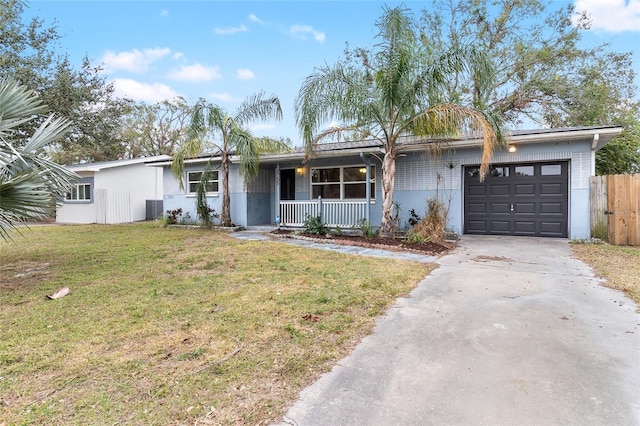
(499, 171)
(524, 170)
(551, 170)
(79, 192)
(193, 180)
(342, 183)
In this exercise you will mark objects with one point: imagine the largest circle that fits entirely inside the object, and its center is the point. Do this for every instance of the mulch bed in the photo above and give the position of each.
(391, 244)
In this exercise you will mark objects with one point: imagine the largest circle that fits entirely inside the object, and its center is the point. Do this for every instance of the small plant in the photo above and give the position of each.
(412, 237)
(365, 227)
(338, 231)
(599, 230)
(414, 218)
(313, 225)
(173, 216)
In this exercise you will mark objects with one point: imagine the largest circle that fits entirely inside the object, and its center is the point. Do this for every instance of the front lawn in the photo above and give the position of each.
(618, 265)
(176, 326)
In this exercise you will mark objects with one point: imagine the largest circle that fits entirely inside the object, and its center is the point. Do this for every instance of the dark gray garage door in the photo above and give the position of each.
(517, 199)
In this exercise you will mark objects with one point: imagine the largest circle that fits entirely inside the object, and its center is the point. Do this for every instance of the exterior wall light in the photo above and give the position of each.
(512, 148)
(300, 171)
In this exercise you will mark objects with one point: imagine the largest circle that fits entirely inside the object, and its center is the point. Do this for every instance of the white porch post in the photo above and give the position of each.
(277, 194)
(367, 207)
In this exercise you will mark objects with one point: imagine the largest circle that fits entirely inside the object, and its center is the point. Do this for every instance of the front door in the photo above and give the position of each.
(288, 184)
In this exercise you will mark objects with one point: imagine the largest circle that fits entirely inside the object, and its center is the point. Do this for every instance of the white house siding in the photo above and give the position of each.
(122, 189)
(79, 212)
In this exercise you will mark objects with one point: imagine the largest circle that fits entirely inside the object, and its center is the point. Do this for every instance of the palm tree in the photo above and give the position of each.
(209, 121)
(395, 92)
(31, 185)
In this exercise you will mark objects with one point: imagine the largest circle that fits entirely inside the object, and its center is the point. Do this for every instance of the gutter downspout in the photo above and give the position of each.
(367, 209)
(594, 146)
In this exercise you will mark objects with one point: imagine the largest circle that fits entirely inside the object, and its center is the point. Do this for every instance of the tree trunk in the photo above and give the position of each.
(225, 216)
(388, 226)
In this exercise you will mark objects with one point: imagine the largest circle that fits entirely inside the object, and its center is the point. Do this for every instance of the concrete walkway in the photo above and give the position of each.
(262, 235)
(508, 331)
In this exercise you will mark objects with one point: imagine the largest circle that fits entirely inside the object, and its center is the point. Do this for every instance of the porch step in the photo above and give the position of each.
(261, 228)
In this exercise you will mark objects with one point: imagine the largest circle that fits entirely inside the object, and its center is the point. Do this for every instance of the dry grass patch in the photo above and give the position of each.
(176, 326)
(618, 265)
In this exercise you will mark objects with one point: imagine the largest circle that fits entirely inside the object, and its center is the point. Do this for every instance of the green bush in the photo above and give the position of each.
(313, 225)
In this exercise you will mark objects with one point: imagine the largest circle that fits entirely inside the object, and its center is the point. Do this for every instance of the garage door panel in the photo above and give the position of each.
(551, 189)
(500, 208)
(524, 208)
(477, 190)
(553, 229)
(524, 189)
(529, 199)
(500, 190)
(525, 227)
(500, 227)
(548, 208)
(477, 208)
(477, 226)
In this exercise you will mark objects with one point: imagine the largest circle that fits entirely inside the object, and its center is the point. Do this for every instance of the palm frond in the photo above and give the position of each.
(258, 108)
(17, 105)
(450, 120)
(31, 185)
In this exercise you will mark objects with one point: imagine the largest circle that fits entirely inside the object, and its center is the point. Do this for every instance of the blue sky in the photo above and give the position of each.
(228, 50)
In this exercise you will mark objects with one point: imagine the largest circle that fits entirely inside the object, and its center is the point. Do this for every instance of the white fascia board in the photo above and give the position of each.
(605, 135)
(96, 167)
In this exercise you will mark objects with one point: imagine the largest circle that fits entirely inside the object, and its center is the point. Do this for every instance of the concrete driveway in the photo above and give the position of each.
(508, 331)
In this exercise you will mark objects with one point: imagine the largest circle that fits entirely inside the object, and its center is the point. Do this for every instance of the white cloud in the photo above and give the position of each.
(301, 32)
(178, 55)
(135, 61)
(196, 72)
(164, 13)
(223, 97)
(254, 18)
(138, 91)
(611, 15)
(245, 74)
(230, 30)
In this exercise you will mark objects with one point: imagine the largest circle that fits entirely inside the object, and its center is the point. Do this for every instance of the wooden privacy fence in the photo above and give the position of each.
(615, 208)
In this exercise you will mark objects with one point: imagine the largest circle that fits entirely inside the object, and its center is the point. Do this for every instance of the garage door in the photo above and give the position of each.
(517, 199)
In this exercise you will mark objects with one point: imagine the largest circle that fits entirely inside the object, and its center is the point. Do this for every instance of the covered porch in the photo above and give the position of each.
(340, 191)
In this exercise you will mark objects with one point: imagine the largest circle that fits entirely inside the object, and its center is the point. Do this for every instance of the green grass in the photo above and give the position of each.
(176, 326)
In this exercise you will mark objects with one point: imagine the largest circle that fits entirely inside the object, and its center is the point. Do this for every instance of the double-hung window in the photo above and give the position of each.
(79, 192)
(193, 180)
(342, 183)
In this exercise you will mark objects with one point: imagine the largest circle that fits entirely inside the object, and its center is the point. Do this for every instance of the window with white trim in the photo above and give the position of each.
(79, 192)
(193, 180)
(342, 183)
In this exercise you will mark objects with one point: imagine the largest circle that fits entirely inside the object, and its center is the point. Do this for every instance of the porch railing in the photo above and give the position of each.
(332, 213)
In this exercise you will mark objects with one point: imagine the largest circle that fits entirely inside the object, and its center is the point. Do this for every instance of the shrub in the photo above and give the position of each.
(173, 216)
(414, 218)
(313, 225)
(432, 226)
